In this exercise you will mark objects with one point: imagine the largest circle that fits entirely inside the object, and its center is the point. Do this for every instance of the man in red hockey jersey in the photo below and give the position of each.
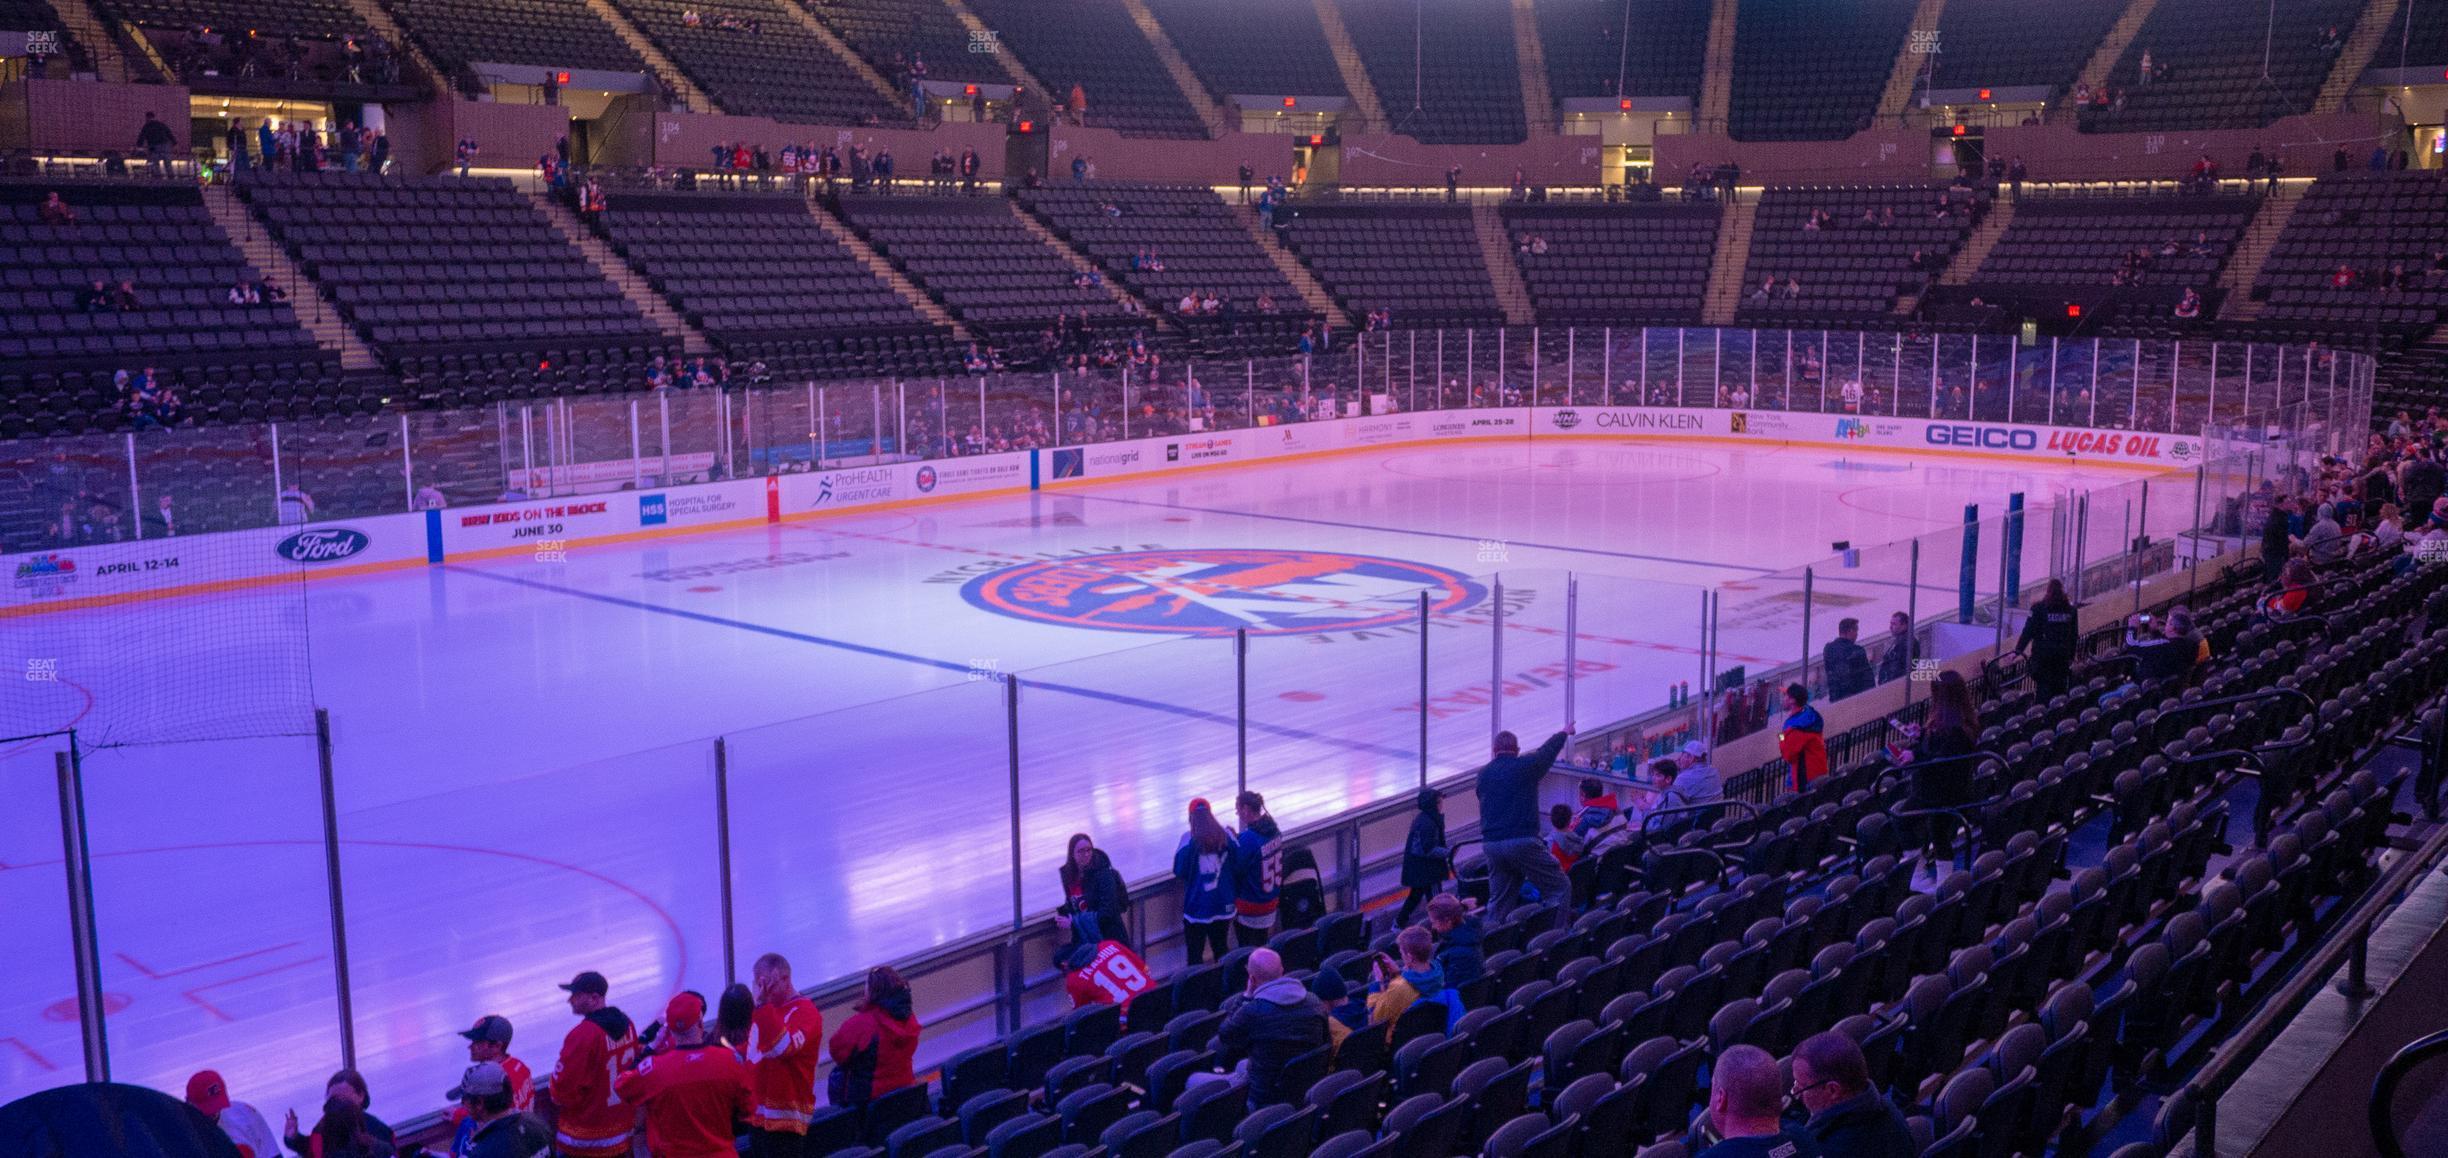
(592, 1120)
(1106, 973)
(693, 1092)
(785, 1041)
(489, 1041)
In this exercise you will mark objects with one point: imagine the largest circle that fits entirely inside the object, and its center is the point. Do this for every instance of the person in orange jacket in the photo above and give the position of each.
(873, 1050)
(1803, 740)
(593, 1122)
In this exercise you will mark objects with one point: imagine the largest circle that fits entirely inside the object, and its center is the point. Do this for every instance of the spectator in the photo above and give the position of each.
(1899, 656)
(491, 1126)
(2277, 538)
(1508, 787)
(1425, 857)
(155, 140)
(1093, 895)
(341, 1133)
(735, 1020)
(1274, 1022)
(1849, 1117)
(1414, 978)
(2050, 634)
(872, 1051)
(1802, 743)
(785, 1039)
(1204, 865)
(1459, 937)
(1745, 1103)
(1846, 663)
(1258, 858)
(591, 1121)
(2294, 596)
(691, 1089)
(55, 212)
(296, 506)
(1345, 1009)
(489, 1044)
(1695, 782)
(1107, 973)
(244, 1125)
(94, 298)
(2189, 306)
(2324, 541)
(346, 1088)
(124, 299)
(1939, 778)
(464, 154)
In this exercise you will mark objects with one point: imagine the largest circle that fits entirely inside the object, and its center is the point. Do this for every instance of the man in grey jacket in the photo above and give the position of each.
(1509, 822)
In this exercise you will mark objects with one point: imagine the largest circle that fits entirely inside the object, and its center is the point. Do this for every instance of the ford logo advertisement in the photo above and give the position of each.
(322, 545)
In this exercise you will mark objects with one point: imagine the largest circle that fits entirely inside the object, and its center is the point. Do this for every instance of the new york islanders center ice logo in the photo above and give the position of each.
(1214, 592)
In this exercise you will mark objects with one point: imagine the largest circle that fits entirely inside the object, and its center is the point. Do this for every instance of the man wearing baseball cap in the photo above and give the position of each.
(493, 1128)
(246, 1128)
(592, 1123)
(695, 1093)
(489, 1041)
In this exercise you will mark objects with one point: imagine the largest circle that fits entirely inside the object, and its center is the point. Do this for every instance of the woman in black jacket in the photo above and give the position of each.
(1424, 855)
(1951, 729)
(1093, 895)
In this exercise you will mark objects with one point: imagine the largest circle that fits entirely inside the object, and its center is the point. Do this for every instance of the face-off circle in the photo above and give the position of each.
(1214, 592)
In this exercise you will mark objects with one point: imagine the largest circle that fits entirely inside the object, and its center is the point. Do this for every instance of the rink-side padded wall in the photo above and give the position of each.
(84, 577)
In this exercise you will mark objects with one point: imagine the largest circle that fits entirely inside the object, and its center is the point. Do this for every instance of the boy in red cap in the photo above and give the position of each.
(695, 1093)
(592, 1122)
(246, 1128)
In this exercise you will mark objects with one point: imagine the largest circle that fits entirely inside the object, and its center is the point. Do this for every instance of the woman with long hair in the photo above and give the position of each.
(1951, 729)
(872, 1051)
(735, 1015)
(1093, 894)
(1204, 865)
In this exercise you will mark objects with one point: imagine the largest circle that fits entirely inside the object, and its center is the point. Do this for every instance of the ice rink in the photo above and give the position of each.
(524, 747)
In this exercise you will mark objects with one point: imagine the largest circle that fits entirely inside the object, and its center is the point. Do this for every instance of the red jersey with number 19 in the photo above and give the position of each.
(1112, 977)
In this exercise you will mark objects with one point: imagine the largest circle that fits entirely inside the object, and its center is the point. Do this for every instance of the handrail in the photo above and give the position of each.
(2384, 1089)
(2343, 944)
(2243, 698)
(1710, 806)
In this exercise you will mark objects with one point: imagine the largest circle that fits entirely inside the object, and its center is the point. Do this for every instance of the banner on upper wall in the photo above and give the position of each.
(2053, 443)
(65, 577)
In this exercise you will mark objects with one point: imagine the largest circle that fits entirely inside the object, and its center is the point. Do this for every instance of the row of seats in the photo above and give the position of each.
(1853, 267)
(1584, 42)
(893, 34)
(543, 293)
(1253, 48)
(2069, 241)
(2215, 53)
(976, 257)
(2366, 222)
(745, 267)
(1095, 47)
(1189, 229)
(1632, 263)
(1812, 70)
(557, 34)
(1442, 77)
(2000, 43)
(767, 64)
(1423, 264)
